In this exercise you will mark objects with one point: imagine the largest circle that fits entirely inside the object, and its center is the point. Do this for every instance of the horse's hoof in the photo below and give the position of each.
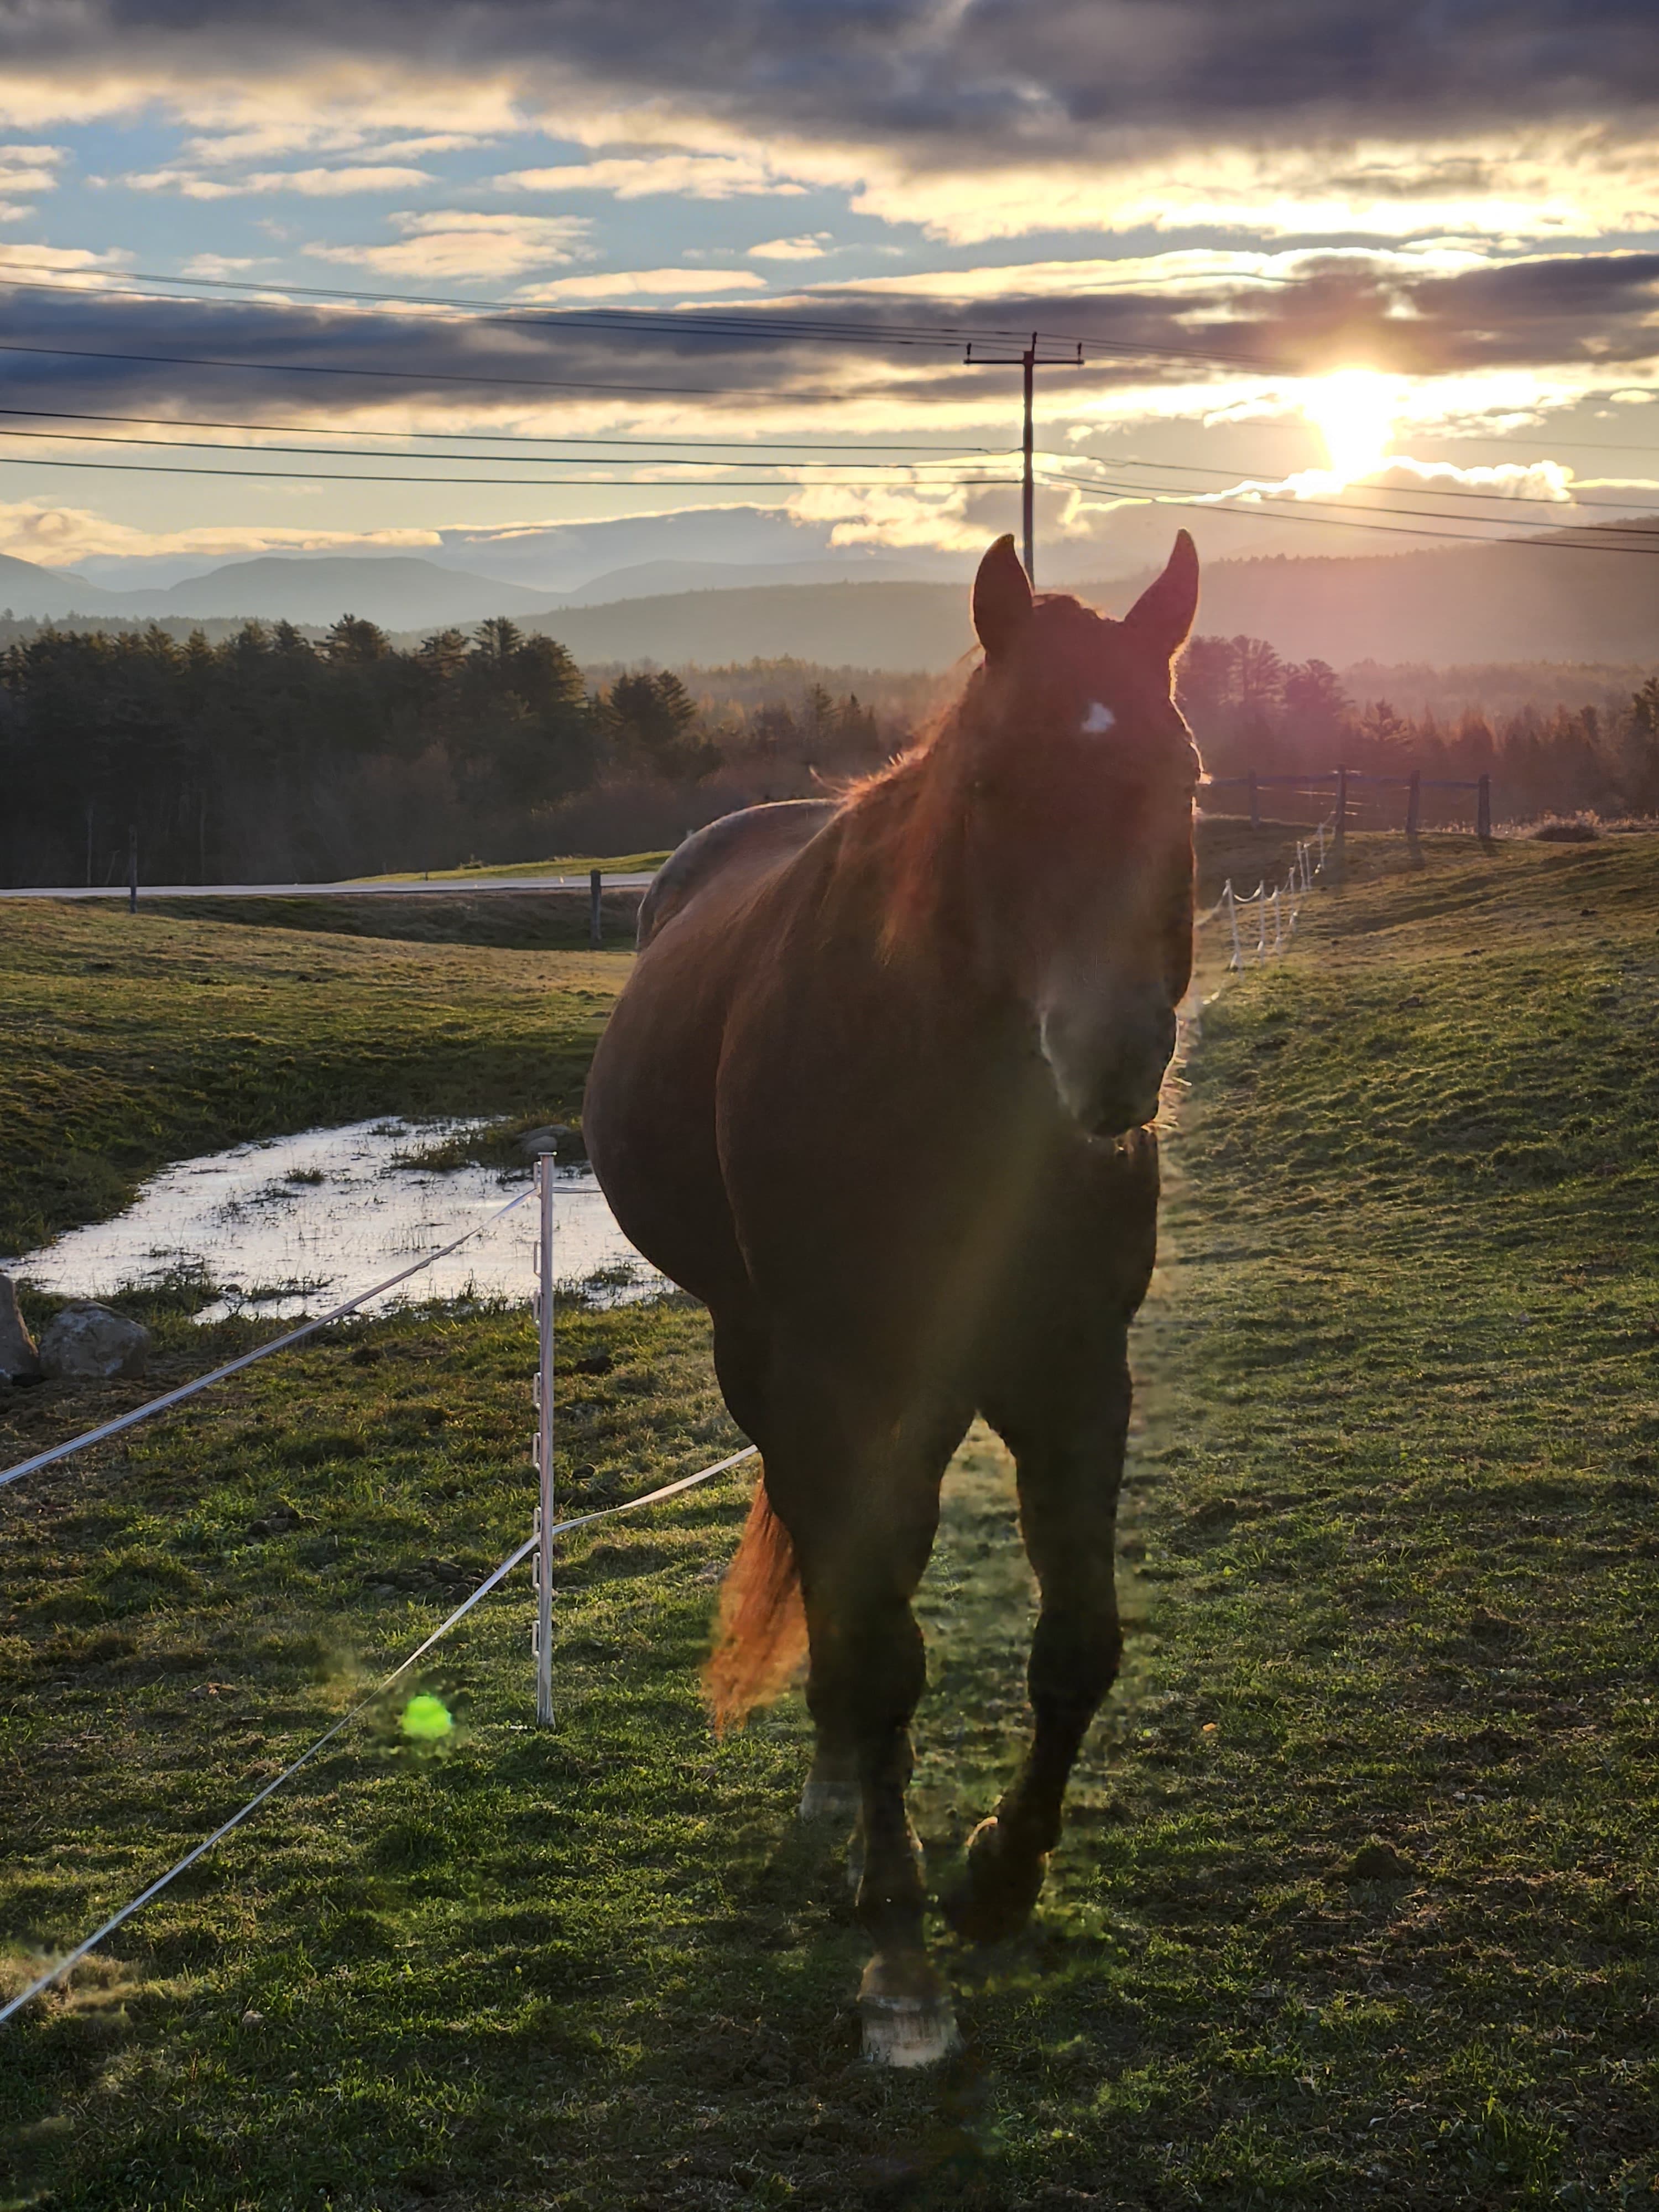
(999, 1894)
(906, 2014)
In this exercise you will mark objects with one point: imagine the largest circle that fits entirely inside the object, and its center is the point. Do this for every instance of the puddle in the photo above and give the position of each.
(297, 1224)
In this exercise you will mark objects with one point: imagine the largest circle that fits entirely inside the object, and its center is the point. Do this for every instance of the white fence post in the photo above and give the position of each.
(1260, 923)
(545, 1444)
(1227, 893)
(1278, 923)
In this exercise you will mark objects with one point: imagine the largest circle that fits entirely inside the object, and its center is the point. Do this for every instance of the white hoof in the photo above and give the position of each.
(908, 2031)
(906, 2013)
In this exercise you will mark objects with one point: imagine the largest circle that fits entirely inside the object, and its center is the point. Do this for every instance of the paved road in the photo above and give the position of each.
(421, 890)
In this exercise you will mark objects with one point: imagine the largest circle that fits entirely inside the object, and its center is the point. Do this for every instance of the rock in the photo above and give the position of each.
(20, 1362)
(90, 1343)
(549, 1140)
(1379, 1862)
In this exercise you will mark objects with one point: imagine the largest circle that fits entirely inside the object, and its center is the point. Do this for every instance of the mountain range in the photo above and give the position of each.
(1578, 594)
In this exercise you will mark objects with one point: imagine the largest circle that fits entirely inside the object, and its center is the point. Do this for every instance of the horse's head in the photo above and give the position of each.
(1076, 780)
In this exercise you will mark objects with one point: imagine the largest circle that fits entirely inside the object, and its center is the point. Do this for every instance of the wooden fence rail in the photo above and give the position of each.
(1342, 780)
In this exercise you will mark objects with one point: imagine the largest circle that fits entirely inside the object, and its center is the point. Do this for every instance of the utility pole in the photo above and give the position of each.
(1030, 362)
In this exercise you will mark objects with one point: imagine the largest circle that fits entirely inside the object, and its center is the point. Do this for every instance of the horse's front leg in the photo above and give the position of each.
(1068, 1445)
(859, 1493)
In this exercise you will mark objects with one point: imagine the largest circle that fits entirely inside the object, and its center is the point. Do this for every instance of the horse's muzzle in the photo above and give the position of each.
(1113, 1083)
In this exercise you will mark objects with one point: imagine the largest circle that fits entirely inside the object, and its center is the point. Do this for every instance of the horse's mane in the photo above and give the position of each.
(901, 818)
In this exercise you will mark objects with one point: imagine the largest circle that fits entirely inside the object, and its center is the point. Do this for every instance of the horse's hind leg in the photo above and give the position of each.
(742, 1361)
(859, 1496)
(1067, 1432)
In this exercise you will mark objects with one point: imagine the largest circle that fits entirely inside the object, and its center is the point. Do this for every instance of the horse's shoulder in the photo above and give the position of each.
(737, 847)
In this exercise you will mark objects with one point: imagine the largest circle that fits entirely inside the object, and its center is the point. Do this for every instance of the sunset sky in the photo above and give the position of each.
(1341, 250)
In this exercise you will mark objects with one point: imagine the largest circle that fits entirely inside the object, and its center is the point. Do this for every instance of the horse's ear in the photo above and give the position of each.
(1163, 613)
(1002, 598)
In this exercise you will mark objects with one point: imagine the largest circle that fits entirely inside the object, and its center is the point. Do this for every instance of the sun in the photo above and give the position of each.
(1354, 410)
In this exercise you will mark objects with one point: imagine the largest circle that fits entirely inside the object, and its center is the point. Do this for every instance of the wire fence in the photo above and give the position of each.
(1364, 801)
(537, 1546)
(1259, 924)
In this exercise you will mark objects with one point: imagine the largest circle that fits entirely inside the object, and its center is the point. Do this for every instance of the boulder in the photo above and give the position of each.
(90, 1343)
(19, 1360)
(554, 1138)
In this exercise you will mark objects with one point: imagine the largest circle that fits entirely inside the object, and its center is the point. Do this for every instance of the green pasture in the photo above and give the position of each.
(1357, 1901)
(566, 864)
(127, 1041)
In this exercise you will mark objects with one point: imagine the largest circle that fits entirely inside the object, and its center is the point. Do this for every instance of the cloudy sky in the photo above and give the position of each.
(1338, 268)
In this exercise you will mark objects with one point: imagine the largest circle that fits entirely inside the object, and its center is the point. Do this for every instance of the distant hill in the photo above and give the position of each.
(1577, 596)
(867, 625)
(398, 590)
(1574, 597)
(27, 589)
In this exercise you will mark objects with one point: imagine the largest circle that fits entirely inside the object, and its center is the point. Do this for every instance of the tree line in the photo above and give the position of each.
(1251, 709)
(267, 756)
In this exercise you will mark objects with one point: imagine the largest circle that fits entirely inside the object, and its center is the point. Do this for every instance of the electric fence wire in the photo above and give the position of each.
(72, 1959)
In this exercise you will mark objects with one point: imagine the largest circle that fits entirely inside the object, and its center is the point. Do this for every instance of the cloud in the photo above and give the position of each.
(1508, 119)
(30, 168)
(638, 284)
(998, 84)
(219, 264)
(811, 248)
(310, 183)
(57, 537)
(686, 175)
(1474, 343)
(1578, 183)
(455, 244)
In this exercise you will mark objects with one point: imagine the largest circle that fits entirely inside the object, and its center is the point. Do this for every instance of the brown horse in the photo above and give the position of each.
(877, 1093)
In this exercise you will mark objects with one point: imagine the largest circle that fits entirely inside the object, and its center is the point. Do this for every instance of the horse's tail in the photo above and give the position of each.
(762, 1634)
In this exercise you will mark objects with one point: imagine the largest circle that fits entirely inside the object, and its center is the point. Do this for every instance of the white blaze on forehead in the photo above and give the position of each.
(1098, 720)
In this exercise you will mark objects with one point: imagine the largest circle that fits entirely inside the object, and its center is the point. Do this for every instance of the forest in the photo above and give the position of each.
(268, 754)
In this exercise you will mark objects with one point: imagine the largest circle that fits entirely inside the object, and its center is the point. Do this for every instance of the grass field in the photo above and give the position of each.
(129, 1040)
(1358, 1903)
(568, 864)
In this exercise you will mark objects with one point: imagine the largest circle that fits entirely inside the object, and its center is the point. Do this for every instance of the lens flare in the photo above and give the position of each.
(426, 1718)
(1354, 410)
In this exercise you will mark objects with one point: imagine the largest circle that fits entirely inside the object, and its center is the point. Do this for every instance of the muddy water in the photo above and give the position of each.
(299, 1224)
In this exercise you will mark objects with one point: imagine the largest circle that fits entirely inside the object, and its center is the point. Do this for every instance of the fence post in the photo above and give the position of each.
(1341, 809)
(1260, 923)
(1483, 808)
(544, 1442)
(1320, 828)
(132, 868)
(1414, 803)
(1278, 923)
(1255, 802)
(595, 909)
(1231, 896)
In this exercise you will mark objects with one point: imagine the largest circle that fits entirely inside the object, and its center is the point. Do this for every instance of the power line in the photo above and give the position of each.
(1430, 491)
(663, 454)
(507, 437)
(595, 483)
(411, 376)
(728, 323)
(1572, 542)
